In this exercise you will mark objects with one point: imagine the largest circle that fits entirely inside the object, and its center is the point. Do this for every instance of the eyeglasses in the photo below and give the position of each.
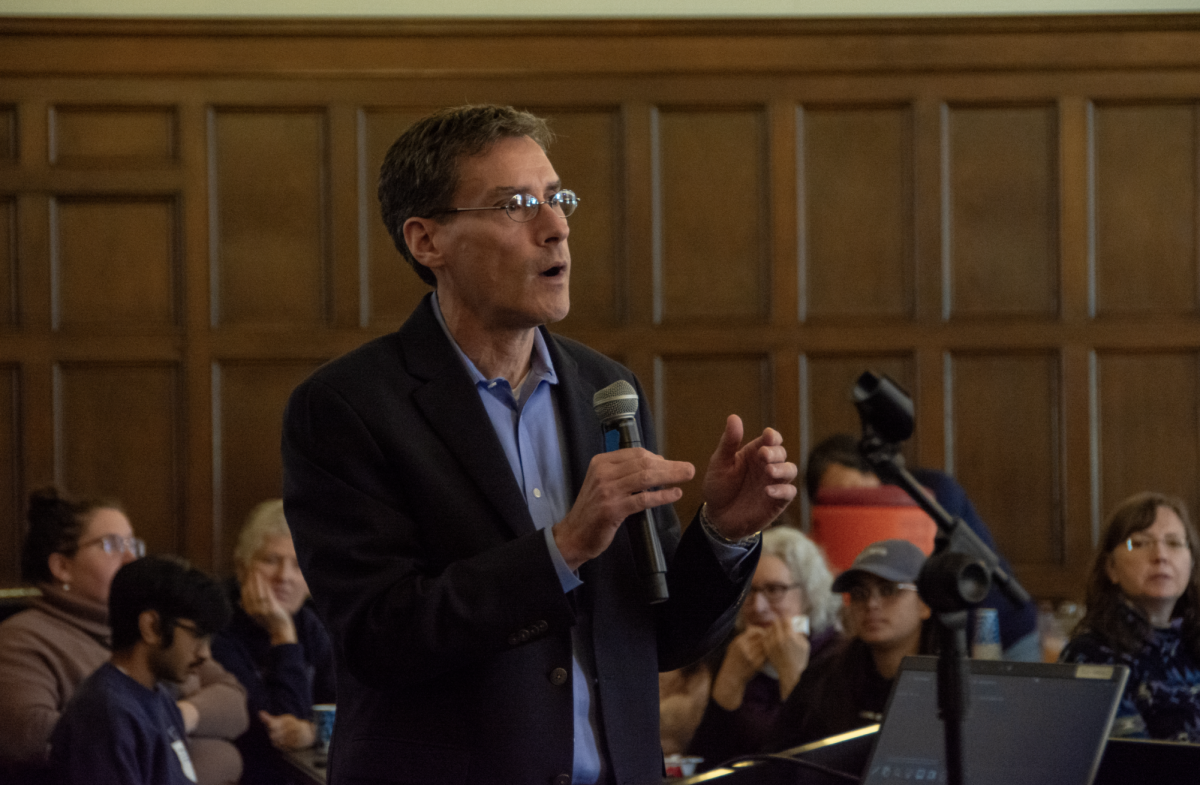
(523, 208)
(114, 544)
(886, 590)
(774, 592)
(1141, 544)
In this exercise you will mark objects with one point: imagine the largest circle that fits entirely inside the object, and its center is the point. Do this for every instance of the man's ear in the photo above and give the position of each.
(150, 628)
(60, 567)
(422, 236)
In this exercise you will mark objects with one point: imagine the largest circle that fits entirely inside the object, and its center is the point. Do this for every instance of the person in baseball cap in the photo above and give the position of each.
(886, 618)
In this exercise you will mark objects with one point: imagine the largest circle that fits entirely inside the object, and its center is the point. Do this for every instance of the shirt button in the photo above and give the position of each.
(558, 677)
(562, 779)
(537, 493)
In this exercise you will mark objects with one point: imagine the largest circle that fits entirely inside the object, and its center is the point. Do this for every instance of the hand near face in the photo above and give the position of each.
(260, 604)
(745, 655)
(788, 650)
(288, 732)
(748, 486)
(617, 485)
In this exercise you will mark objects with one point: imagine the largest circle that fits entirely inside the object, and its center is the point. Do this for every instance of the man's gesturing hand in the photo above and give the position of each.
(617, 485)
(747, 486)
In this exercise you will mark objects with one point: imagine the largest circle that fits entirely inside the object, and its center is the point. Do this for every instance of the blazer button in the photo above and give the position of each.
(541, 626)
(522, 636)
(558, 677)
(513, 640)
(562, 779)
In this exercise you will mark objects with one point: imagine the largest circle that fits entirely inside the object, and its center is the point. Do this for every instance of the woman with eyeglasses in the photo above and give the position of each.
(71, 553)
(788, 619)
(1143, 599)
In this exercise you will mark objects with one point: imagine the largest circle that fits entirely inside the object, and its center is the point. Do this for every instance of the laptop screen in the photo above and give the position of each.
(1030, 723)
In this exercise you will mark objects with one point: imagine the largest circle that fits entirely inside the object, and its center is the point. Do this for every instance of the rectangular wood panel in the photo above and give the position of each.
(12, 507)
(856, 207)
(269, 183)
(1007, 445)
(8, 133)
(711, 180)
(8, 260)
(112, 136)
(1149, 435)
(394, 288)
(116, 262)
(587, 157)
(1145, 208)
(117, 433)
(697, 395)
(248, 424)
(1003, 206)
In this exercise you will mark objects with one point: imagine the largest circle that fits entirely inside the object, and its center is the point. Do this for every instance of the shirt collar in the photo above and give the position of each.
(542, 367)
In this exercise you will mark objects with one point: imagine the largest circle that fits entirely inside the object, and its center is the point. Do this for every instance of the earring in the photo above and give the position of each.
(66, 587)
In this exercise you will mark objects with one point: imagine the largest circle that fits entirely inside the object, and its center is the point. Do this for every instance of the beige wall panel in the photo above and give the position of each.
(117, 434)
(1148, 426)
(8, 260)
(697, 394)
(830, 380)
(247, 431)
(587, 156)
(269, 190)
(1006, 447)
(12, 506)
(856, 186)
(1003, 203)
(8, 133)
(712, 183)
(112, 136)
(1145, 208)
(394, 288)
(115, 262)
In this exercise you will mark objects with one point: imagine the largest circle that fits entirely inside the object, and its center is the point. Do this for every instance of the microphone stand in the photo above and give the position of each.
(955, 578)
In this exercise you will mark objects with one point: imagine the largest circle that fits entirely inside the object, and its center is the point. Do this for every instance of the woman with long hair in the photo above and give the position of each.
(1143, 598)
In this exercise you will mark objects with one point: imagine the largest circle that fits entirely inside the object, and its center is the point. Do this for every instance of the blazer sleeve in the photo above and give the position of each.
(399, 613)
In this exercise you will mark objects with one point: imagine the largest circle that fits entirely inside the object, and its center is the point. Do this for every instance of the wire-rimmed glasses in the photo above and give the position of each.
(523, 208)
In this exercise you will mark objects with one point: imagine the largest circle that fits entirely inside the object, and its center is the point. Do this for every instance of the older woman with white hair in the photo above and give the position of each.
(790, 616)
(275, 645)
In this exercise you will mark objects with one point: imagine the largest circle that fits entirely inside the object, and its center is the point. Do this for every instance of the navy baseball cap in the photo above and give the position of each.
(898, 561)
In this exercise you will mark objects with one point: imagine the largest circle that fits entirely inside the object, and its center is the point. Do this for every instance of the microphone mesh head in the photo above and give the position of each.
(615, 401)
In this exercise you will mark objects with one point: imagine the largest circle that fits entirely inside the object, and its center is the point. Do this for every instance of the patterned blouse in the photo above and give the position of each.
(1162, 696)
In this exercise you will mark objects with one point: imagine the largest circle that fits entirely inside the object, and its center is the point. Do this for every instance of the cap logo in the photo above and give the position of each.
(874, 550)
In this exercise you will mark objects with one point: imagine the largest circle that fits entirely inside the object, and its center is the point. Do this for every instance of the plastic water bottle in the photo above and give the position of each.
(986, 644)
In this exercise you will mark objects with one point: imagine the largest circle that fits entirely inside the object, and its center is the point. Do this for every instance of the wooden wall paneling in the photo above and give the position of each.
(115, 262)
(394, 288)
(12, 519)
(117, 434)
(1006, 436)
(1074, 195)
(1145, 171)
(856, 175)
(270, 175)
(8, 134)
(640, 216)
(783, 211)
(248, 401)
(698, 394)
(112, 136)
(8, 259)
(1003, 187)
(714, 236)
(828, 381)
(347, 271)
(587, 157)
(1149, 432)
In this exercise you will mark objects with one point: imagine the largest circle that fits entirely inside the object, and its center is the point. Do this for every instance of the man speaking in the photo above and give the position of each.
(459, 519)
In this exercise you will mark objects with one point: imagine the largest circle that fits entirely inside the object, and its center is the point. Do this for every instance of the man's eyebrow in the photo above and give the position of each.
(509, 190)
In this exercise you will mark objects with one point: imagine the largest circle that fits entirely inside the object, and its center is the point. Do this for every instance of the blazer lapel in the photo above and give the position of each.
(583, 433)
(451, 403)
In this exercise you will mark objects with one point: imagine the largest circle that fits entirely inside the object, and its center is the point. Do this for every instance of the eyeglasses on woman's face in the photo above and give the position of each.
(774, 592)
(115, 544)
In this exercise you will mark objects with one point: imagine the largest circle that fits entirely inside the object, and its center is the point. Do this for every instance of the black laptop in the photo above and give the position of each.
(1027, 723)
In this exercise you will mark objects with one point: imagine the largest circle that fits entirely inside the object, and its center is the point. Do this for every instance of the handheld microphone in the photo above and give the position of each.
(616, 406)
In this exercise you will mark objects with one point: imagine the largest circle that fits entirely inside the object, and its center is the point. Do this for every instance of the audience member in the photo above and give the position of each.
(837, 463)
(71, 552)
(789, 596)
(123, 726)
(849, 688)
(275, 646)
(1143, 599)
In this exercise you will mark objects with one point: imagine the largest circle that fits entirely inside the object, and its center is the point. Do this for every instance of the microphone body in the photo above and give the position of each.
(616, 405)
